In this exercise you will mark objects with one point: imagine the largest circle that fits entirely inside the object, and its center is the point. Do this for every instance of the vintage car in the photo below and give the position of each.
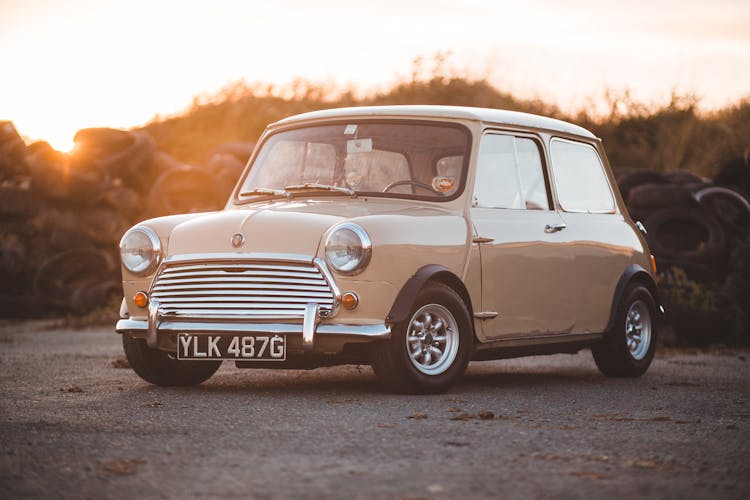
(411, 238)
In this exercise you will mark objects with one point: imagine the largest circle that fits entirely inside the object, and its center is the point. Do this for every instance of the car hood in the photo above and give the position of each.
(287, 227)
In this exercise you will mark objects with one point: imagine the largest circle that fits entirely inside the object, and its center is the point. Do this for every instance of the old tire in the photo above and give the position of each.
(628, 349)
(729, 206)
(638, 177)
(158, 368)
(653, 196)
(17, 203)
(60, 275)
(429, 351)
(184, 190)
(687, 234)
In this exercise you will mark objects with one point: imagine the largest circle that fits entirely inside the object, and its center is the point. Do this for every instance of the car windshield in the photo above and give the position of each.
(391, 159)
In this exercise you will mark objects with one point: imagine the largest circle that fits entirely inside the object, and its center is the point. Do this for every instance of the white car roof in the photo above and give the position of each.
(497, 116)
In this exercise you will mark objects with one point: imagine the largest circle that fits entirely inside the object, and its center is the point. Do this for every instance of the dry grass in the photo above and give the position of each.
(675, 135)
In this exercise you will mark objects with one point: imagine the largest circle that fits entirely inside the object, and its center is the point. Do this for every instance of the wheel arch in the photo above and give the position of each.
(430, 273)
(633, 274)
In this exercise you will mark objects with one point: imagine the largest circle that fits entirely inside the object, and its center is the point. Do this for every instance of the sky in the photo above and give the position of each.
(70, 64)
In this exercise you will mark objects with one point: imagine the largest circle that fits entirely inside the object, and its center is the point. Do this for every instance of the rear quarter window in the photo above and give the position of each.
(579, 177)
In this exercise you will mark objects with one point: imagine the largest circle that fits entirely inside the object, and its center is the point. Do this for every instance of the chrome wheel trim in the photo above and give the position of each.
(638, 329)
(432, 339)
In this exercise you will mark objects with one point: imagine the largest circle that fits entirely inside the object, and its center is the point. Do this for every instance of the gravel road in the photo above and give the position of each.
(73, 423)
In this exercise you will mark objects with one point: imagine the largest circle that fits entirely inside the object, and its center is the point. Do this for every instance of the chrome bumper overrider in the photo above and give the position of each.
(374, 332)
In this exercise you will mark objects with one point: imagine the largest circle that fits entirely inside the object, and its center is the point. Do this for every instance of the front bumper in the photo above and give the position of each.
(308, 331)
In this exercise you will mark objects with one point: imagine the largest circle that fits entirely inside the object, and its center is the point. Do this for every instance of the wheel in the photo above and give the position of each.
(627, 350)
(429, 351)
(159, 368)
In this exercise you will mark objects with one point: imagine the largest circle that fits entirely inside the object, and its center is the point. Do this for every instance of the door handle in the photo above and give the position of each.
(553, 228)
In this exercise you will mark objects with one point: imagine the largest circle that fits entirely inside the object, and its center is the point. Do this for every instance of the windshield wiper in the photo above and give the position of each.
(308, 186)
(262, 190)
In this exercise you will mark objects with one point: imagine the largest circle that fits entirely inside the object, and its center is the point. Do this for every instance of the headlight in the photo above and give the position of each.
(348, 248)
(140, 250)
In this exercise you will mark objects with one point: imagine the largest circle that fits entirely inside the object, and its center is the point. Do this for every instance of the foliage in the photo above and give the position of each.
(672, 136)
(677, 289)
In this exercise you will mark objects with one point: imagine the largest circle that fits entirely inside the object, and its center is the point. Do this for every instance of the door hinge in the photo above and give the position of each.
(485, 315)
(482, 239)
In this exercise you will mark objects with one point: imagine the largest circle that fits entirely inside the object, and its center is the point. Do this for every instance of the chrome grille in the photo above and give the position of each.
(229, 290)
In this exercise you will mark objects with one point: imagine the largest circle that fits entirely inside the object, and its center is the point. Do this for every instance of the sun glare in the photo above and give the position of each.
(59, 136)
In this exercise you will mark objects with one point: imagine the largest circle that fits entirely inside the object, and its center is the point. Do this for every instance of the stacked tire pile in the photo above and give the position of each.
(62, 215)
(699, 232)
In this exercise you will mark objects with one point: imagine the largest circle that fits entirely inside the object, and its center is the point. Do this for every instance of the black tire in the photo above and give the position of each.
(59, 276)
(184, 190)
(396, 368)
(47, 169)
(239, 150)
(683, 177)
(651, 196)
(612, 355)
(17, 203)
(686, 234)
(638, 177)
(118, 153)
(121, 199)
(158, 368)
(729, 206)
(12, 152)
(735, 173)
(90, 297)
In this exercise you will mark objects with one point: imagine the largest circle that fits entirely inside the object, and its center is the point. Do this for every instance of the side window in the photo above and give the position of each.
(579, 178)
(509, 174)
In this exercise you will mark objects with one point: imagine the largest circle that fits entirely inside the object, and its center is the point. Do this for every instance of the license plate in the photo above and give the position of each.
(236, 347)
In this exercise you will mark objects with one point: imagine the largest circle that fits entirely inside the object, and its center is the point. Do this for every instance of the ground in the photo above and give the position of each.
(74, 423)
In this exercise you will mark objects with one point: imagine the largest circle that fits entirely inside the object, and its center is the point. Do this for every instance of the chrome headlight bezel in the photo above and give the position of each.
(153, 247)
(356, 263)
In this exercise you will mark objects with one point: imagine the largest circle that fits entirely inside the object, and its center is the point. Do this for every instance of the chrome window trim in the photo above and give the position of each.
(546, 167)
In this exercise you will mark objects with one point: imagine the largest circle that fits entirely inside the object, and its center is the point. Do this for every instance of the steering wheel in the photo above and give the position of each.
(407, 182)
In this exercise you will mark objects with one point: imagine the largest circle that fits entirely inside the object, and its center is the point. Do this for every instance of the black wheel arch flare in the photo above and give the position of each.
(632, 274)
(432, 272)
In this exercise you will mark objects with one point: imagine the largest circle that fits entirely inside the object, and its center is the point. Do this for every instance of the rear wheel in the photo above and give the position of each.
(429, 351)
(628, 349)
(160, 368)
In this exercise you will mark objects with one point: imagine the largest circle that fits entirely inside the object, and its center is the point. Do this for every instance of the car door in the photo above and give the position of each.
(527, 271)
(602, 241)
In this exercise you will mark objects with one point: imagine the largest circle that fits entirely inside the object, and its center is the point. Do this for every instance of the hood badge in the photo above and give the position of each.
(238, 239)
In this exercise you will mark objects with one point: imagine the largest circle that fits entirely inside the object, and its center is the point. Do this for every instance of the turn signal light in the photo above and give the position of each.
(349, 300)
(653, 263)
(140, 299)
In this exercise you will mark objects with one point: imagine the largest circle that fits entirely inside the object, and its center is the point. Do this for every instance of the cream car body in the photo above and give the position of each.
(532, 280)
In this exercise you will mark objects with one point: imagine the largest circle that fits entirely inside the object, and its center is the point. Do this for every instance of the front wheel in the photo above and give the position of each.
(429, 351)
(628, 349)
(159, 368)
